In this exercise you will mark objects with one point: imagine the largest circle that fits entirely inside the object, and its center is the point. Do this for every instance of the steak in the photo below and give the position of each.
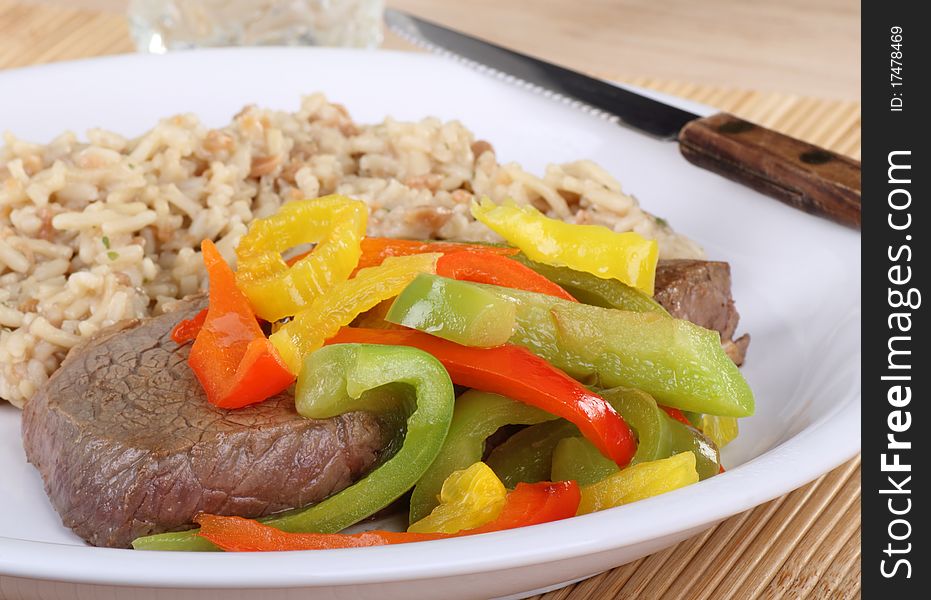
(127, 444)
(700, 291)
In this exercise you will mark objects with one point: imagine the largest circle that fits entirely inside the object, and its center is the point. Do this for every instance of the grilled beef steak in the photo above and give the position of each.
(700, 291)
(128, 445)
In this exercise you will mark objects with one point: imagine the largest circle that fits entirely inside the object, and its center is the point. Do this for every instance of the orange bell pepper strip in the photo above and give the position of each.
(231, 357)
(496, 269)
(517, 373)
(376, 249)
(533, 504)
(187, 330)
(528, 504)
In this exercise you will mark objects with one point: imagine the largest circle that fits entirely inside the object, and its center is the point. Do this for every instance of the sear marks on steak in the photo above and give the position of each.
(700, 291)
(128, 445)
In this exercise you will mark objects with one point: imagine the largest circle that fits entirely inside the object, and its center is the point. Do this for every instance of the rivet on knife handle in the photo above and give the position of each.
(802, 175)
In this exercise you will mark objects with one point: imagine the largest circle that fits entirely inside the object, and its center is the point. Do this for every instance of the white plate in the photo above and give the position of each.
(796, 283)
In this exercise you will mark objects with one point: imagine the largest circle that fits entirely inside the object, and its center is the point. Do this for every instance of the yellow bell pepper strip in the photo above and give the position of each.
(234, 362)
(589, 289)
(528, 504)
(336, 225)
(374, 318)
(677, 362)
(721, 430)
(638, 482)
(477, 415)
(344, 301)
(398, 383)
(627, 257)
(469, 498)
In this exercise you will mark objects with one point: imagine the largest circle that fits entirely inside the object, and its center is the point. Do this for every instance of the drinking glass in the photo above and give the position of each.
(161, 25)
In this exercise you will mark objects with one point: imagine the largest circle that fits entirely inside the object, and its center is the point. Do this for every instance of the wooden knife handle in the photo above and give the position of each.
(807, 177)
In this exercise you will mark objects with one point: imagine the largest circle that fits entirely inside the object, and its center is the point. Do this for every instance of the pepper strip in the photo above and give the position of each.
(343, 378)
(187, 330)
(457, 311)
(529, 455)
(487, 267)
(336, 225)
(676, 414)
(679, 363)
(576, 459)
(234, 362)
(477, 415)
(639, 482)
(627, 257)
(376, 249)
(591, 289)
(517, 373)
(528, 504)
(346, 300)
(468, 498)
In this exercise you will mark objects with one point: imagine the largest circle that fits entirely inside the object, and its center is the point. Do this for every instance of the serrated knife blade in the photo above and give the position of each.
(803, 176)
(645, 114)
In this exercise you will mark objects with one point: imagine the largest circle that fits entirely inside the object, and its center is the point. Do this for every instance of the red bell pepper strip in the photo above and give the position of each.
(676, 414)
(532, 504)
(528, 504)
(187, 330)
(231, 357)
(515, 372)
(376, 249)
(487, 267)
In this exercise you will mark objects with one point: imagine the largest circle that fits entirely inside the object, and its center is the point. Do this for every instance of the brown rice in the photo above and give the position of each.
(99, 231)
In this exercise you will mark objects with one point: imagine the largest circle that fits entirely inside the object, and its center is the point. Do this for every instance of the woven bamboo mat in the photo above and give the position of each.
(805, 544)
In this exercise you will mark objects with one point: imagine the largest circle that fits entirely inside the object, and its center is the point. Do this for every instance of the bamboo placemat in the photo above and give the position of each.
(805, 544)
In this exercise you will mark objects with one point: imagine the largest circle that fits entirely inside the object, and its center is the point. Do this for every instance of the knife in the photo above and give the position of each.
(800, 174)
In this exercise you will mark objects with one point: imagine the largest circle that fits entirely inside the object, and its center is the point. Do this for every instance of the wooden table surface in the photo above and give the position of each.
(791, 65)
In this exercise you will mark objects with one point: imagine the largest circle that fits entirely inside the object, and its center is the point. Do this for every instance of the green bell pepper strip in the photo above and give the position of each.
(659, 435)
(349, 377)
(455, 310)
(529, 456)
(677, 362)
(591, 289)
(477, 415)
(693, 417)
(526, 456)
(575, 459)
